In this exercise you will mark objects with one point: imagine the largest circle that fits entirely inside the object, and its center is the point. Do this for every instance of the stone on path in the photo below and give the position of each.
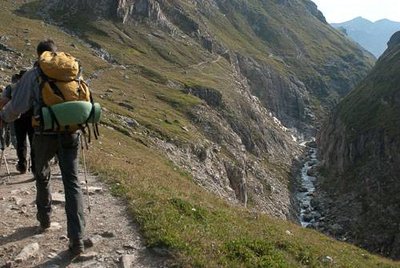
(55, 226)
(127, 261)
(91, 241)
(58, 198)
(16, 200)
(93, 190)
(108, 234)
(27, 252)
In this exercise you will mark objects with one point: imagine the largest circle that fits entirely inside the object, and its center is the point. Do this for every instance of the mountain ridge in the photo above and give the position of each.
(373, 36)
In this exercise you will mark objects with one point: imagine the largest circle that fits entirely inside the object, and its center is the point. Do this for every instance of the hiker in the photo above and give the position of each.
(48, 143)
(22, 128)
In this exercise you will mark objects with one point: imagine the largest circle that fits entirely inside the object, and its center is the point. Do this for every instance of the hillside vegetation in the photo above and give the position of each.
(181, 160)
(360, 155)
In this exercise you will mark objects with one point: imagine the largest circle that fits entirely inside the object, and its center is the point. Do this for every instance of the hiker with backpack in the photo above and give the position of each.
(22, 127)
(49, 83)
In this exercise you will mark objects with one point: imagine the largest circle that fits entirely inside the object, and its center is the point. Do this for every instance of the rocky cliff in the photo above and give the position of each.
(264, 72)
(359, 148)
(278, 46)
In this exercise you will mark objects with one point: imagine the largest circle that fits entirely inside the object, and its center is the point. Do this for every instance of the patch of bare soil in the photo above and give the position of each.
(112, 239)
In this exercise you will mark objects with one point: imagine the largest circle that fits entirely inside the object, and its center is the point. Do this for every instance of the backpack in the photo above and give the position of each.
(67, 103)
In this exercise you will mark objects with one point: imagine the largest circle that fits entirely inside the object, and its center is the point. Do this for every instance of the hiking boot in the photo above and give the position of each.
(44, 225)
(76, 247)
(21, 168)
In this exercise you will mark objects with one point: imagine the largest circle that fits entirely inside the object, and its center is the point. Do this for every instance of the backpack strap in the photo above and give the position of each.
(55, 89)
(52, 83)
(95, 127)
(54, 119)
(55, 124)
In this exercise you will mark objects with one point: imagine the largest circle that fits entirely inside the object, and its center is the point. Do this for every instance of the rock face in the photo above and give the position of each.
(312, 7)
(286, 96)
(359, 148)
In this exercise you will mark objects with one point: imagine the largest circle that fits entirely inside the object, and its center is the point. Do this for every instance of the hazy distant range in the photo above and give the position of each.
(373, 36)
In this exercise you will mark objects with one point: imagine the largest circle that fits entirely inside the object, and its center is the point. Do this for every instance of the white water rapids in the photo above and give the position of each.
(306, 190)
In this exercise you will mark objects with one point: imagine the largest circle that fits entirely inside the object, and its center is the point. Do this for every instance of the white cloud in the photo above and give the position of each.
(343, 10)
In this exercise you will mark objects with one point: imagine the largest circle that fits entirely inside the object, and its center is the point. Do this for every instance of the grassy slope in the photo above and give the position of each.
(373, 104)
(201, 230)
(196, 227)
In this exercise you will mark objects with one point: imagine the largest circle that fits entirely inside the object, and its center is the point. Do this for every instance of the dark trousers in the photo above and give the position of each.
(66, 147)
(23, 127)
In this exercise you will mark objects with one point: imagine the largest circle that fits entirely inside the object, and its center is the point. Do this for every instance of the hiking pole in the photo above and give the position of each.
(1, 160)
(85, 172)
(6, 164)
(3, 156)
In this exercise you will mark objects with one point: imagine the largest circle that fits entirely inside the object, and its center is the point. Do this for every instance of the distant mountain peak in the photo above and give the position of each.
(360, 18)
(386, 21)
(373, 36)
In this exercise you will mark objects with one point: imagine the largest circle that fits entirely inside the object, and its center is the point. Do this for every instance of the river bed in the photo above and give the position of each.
(306, 190)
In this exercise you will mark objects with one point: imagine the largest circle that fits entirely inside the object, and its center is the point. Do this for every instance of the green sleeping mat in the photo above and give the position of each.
(71, 113)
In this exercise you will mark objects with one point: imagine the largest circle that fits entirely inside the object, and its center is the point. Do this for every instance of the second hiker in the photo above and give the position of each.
(22, 128)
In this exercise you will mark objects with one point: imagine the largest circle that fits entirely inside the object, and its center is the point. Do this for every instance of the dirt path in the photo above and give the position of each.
(115, 239)
(203, 64)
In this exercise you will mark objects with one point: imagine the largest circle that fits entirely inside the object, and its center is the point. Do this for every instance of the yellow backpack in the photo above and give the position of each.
(61, 81)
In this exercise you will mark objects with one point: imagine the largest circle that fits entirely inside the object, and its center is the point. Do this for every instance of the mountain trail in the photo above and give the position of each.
(203, 64)
(111, 239)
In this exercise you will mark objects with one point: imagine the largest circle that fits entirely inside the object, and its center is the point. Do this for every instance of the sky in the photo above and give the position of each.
(344, 10)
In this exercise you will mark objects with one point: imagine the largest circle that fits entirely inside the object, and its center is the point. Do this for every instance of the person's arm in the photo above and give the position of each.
(3, 102)
(22, 97)
(5, 96)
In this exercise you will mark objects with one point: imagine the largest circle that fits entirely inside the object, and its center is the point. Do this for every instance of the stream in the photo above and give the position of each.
(306, 190)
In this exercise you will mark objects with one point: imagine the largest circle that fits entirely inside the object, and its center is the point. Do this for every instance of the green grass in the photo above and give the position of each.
(199, 229)
(373, 105)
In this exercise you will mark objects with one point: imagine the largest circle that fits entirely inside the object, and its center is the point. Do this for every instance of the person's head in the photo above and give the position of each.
(46, 45)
